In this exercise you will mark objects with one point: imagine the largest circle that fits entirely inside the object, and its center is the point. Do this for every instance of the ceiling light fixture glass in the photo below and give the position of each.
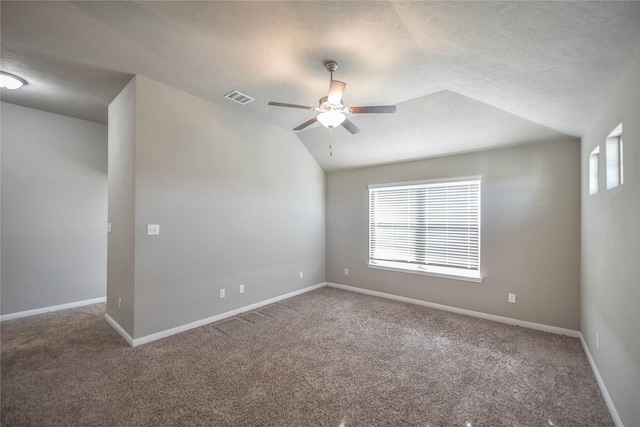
(9, 81)
(331, 119)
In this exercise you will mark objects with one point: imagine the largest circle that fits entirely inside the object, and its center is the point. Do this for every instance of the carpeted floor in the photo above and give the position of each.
(324, 358)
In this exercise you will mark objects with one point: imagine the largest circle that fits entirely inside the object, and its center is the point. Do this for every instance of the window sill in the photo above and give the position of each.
(443, 272)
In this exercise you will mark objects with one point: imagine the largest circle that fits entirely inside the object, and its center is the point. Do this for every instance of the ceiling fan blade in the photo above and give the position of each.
(336, 90)
(350, 126)
(389, 109)
(307, 123)
(280, 104)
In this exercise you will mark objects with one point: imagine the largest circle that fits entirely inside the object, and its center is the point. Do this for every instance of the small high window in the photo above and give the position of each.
(615, 175)
(594, 159)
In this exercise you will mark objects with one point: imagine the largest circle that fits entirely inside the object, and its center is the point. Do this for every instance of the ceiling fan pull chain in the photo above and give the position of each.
(330, 142)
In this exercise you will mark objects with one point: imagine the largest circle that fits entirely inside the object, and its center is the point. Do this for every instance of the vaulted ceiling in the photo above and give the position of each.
(464, 75)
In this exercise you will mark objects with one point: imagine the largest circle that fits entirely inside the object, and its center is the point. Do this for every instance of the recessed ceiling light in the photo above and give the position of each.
(9, 81)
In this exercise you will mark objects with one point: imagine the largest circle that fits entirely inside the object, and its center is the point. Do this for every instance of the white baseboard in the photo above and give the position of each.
(119, 329)
(495, 318)
(603, 389)
(166, 333)
(52, 308)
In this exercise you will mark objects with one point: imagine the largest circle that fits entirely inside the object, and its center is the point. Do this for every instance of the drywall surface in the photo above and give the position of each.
(530, 211)
(238, 201)
(54, 209)
(610, 288)
(120, 264)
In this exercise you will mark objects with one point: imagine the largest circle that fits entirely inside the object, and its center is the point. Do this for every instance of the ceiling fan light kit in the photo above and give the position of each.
(331, 119)
(332, 111)
(11, 81)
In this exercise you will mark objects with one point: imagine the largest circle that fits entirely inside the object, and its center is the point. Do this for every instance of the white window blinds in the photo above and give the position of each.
(426, 227)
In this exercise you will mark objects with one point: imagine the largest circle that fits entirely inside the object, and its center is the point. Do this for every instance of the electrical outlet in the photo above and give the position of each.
(153, 229)
(241, 289)
(598, 339)
(302, 274)
(221, 293)
(512, 298)
(119, 303)
(346, 271)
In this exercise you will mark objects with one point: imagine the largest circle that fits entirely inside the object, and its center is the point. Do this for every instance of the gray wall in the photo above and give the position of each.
(610, 297)
(120, 262)
(238, 202)
(530, 232)
(54, 209)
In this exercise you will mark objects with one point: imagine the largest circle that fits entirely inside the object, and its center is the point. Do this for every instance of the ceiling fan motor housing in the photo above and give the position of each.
(325, 105)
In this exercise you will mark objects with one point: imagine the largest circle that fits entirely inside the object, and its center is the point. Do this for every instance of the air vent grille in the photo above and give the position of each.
(239, 97)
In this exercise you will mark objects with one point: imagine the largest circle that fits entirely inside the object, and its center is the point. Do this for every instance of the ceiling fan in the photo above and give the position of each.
(332, 111)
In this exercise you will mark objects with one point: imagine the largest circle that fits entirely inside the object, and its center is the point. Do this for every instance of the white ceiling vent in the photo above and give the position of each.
(239, 97)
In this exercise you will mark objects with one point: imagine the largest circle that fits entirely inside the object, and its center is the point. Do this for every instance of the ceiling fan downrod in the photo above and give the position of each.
(331, 66)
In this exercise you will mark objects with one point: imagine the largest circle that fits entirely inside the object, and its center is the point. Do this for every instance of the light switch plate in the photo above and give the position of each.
(153, 229)
(108, 227)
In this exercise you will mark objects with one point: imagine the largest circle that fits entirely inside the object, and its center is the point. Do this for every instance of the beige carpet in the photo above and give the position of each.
(325, 358)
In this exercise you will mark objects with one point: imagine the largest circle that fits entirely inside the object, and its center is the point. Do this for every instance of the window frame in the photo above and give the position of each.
(614, 158)
(594, 171)
(444, 271)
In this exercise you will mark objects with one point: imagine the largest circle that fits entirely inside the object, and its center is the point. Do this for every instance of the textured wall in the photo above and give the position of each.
(238, 202)
(530, 232)
(610, 253)
(54, 209)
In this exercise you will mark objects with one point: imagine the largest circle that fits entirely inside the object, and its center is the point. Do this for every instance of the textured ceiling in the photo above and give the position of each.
(465, 75)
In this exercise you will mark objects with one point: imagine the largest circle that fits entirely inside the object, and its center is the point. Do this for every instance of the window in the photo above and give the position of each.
(594, 159)
(615, 174)
(426, 228)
